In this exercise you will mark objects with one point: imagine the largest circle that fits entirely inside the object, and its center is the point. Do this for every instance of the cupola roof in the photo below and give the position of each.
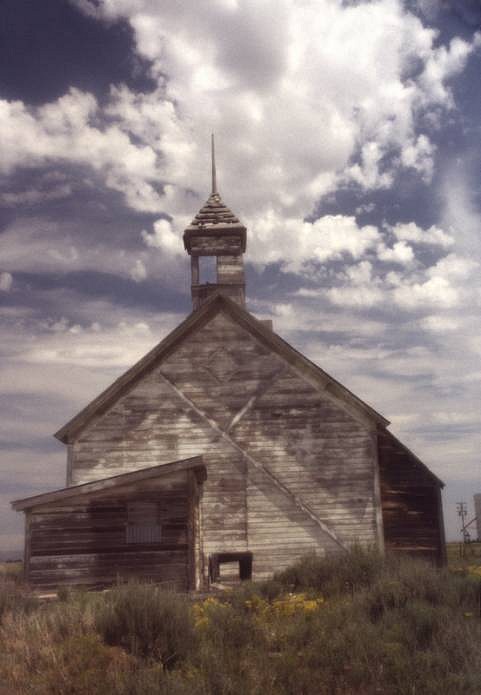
(215, 218)
(215, 211)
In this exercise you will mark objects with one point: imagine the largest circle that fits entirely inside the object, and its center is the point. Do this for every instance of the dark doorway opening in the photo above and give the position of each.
(243, 561)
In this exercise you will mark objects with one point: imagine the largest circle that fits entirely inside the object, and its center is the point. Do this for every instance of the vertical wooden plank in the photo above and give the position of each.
(410, 501)
(194, 265)
(442, 556)
(84, 542)
(199, 527)
(377, 494)
(70, 454)
(26, 551)
(225, 395)
(191, 552)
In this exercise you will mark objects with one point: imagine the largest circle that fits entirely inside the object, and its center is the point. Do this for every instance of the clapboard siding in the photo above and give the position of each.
(261, 429)
(82, 541)
(411, 508)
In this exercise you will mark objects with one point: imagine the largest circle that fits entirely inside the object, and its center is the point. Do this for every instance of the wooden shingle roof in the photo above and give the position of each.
(214, 212)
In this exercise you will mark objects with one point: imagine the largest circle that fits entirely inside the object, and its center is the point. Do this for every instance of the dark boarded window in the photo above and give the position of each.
(143, 524)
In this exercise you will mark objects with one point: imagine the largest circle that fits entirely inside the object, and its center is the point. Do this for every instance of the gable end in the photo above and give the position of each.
(195, 320)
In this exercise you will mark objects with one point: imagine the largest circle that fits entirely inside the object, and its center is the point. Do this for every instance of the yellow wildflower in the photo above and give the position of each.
(475, 569)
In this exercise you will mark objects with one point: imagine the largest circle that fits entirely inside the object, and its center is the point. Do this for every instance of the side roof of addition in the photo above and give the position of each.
(117, 481)
(218, 302)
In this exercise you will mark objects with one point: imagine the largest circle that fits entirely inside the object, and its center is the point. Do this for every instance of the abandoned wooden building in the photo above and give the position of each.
(225, 446)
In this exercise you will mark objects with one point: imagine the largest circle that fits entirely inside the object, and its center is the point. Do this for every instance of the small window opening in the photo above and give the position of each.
(143, 523)
(207, 270)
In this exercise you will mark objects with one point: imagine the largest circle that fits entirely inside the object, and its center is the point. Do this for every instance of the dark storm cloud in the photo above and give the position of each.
(151, 294)
(83, 200)
(452, 17)
(47, 46)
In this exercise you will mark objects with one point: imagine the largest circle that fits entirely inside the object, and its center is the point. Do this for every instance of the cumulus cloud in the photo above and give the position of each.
(437, 291)
(6, 281)
(361, 296)
(439, 323)
(400, 252)
(163, 237)
(301, 103)
(441, 63)
(67, 130)
(138, 272)
(295, 245)
(410, 231)
(419, 155)
(361, 289)
(453, 266)
(442, 284)
(297, 97)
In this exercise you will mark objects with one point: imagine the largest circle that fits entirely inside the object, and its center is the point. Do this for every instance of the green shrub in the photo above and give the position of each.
(335, 573)
(227, 626)
(148, 622)
(270, 589)
(247, 592)
(405, 580)
(415, 648)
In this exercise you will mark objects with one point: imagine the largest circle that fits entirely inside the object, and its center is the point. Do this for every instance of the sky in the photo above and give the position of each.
(348, 138)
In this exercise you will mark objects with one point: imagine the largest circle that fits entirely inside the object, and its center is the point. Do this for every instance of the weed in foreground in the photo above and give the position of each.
(148, 622)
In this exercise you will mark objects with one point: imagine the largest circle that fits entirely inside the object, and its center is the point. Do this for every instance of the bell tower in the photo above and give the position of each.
(216, 240)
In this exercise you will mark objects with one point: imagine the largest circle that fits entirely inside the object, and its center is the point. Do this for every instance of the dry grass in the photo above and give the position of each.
(462, 555)
(351, 625)
(11, 570)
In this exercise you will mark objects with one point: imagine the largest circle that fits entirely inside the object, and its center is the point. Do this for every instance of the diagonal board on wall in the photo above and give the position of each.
(224, 433)
(220, 367)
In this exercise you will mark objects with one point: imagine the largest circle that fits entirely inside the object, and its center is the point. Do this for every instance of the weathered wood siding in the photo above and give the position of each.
(83, 541)
(287, 465)
(411, 505)
(323, 456)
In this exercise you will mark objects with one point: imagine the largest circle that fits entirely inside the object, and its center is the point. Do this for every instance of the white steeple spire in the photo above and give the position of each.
(214, 175)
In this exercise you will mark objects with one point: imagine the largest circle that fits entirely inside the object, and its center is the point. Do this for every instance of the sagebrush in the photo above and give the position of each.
(351, 624)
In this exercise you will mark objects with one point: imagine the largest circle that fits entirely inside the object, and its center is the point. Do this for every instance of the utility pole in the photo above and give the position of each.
(463, 513)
